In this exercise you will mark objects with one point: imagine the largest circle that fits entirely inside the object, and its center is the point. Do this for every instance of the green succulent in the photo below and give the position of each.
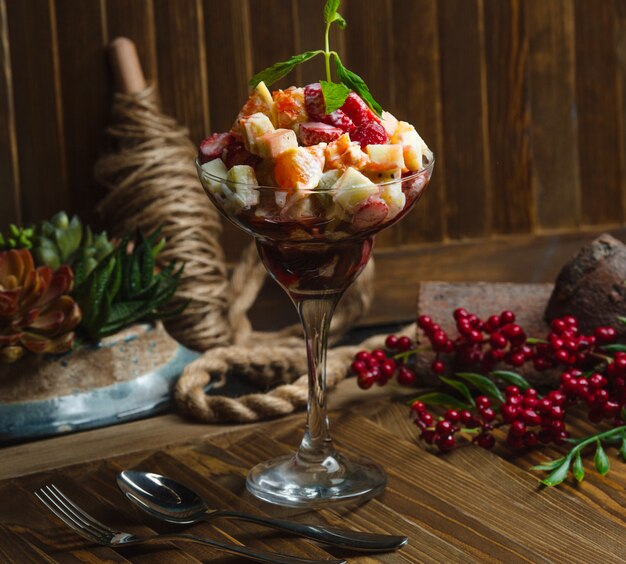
(125, 288)
(18, 238)
(64, 241)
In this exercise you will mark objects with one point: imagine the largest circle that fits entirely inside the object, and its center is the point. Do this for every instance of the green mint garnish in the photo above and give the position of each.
(334, 95)
(333, 92)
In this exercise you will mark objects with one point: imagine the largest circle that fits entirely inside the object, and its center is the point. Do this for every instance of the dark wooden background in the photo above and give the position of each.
(523, 103)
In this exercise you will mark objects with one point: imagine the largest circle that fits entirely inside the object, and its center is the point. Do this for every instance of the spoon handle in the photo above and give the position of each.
(343, 538)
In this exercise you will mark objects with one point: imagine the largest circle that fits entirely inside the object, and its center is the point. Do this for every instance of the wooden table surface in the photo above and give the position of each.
(469, 505)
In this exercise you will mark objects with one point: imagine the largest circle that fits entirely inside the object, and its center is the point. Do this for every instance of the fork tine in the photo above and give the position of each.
(52, 506)
(68, 507)
(80, 512)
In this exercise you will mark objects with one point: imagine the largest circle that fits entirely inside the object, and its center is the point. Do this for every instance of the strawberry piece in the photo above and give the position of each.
(357, 110)
(340, 120)
(316, 108)
(213, 146)
(236, 154)
(314, 102)
(370, 133)
(370, 214)
(314, 132)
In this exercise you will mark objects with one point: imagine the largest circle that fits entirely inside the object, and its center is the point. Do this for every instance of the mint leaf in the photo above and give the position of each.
(577, 468)
(356, 83)
(482, 384)
(334, 95)
(331, 15)
(437, 398)
(601, 460)
(512, 378)
(459, 387)
(278, 70)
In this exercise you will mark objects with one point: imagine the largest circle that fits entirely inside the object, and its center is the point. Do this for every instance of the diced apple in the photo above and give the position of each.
(274, 143)
(214, 169)
(300, 168)
(328, 179)
(299, 208)
(253, 127)
(260, 100)
(394, 197)
(240, 191)
(353, 189)
(389, 122)
(413, 145)
(385, 157)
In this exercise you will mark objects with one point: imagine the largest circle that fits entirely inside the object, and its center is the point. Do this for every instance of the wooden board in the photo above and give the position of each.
(468, 506)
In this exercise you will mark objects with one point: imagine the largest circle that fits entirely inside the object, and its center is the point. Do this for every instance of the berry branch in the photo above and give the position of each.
(593, 372)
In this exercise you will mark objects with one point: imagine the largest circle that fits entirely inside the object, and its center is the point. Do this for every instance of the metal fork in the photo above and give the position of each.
(91, 529)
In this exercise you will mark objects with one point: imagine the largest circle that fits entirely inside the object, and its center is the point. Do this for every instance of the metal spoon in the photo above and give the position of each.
(170, 501)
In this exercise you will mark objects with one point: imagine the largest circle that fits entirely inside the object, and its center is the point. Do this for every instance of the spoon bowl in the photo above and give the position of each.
(169, 500)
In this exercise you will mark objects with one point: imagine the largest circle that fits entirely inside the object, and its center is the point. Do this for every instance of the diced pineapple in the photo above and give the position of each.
(389, 122)
(274, 143)
(328, 179)
(413, 145)
(240, 191)
(215, 168)
(300, 168)
(385, 157)
(253, 127)
(353, 189)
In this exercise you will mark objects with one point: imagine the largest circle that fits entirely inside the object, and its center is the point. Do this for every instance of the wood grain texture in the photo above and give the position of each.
(599, 133)
(181, 57)
(464, 113)
(554, 122)
(417, 99)
(81, 41)
(467, 506)
(10, 211)
(38, 109)
(135, 20)
(506, 56)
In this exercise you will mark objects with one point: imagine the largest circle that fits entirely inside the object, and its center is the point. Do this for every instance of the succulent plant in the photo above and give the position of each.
(125, 287)
(64, 241)
(36, 312)
(18, 238)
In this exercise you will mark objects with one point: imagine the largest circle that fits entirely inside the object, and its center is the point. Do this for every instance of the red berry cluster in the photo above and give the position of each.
(531, 419)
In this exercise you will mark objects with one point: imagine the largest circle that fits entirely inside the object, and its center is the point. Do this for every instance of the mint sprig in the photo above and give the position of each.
(333, 92)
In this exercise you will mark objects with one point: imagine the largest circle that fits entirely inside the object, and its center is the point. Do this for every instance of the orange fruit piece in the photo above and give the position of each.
(300, 168)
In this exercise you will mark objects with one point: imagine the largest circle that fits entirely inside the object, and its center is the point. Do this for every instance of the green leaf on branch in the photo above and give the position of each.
(356, 83)
(577, 468)
(459, 387)
(278, 70)
(551, 465)
(614, 348)
(334, 95)
(601, 460)
(559, 474)
(438, 398)
(621, 319)
(622, 450)
(512, 378)
(482, 384)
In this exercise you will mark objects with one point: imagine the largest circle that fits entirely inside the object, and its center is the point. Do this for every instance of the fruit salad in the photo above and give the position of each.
(290, 171)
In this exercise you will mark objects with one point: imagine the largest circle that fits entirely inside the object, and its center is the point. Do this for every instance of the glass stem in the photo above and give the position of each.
(315, 315)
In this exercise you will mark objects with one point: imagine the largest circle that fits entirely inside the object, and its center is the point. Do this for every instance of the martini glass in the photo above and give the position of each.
(314, 248)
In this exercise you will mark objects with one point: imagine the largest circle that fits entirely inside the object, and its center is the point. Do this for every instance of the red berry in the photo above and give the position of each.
(452, 415)
(509, 413)
(404, 343)
(424, 322)
(466, 417)
(531, 417)
(379, 355)
(512, 391)
(530, 439)
(387, 368)
(427, 418)
(445, 442)
(610, 409)
(372, 362)
(438, 367)
(605, 334)
(487, 414)
(498, 341)
(570, 320)
(562, 356)
(544, 406)
(391, 342)
(597, 381)
(529, 402)
(363, 356)
(558, 326)
(418, 406)
(493, 323)
(556, 397)
(515, 400)
(406, 377)
(486, 440)
(475, 336)
(556, 342)
(369, 133)
(507, 317)
(365, 380)
(459, 313)
(517, 429)
(428, 435)
(358, 367)
(482, 402)
(444, 427)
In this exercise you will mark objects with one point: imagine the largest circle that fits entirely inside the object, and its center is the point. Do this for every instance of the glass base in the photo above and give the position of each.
(292, 482)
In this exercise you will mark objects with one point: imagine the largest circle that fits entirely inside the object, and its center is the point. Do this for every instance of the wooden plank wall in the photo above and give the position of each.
(523, 101)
